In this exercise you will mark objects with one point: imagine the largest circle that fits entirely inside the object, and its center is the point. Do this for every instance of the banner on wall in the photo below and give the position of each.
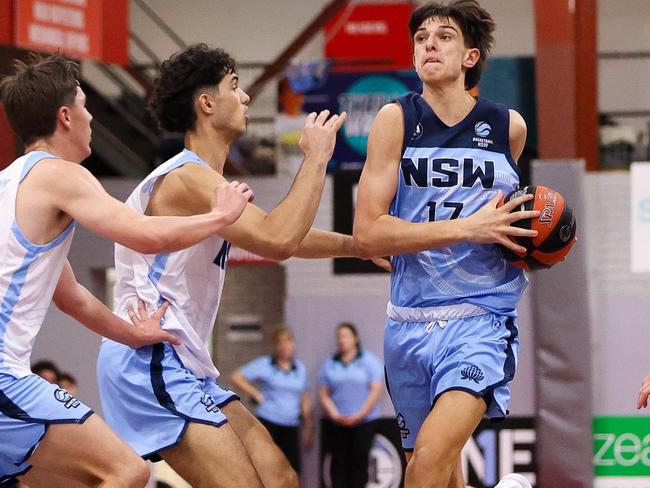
(74, 26)
(640, 217)
(361, 95)
(87, 29)
(372, 34)
(621, 452)
(496, 449)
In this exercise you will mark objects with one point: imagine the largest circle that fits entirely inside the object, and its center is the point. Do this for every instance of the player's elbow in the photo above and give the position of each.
(279, 247)
(283, 249)
(363, 244)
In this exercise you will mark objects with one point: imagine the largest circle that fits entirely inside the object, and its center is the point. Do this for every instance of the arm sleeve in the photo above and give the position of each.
(254, 370)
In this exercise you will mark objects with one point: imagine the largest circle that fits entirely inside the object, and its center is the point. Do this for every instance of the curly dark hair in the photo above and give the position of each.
(196, 67)
(475, 22)
(33, 95)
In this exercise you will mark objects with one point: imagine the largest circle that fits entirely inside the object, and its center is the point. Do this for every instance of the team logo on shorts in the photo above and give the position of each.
(472, 373)
(401, 423)
(210, 406)
(64, 397)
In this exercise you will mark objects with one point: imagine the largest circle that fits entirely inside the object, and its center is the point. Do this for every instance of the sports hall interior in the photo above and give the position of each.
(578, 72)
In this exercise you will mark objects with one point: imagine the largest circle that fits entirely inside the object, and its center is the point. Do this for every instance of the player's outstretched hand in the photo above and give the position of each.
(318, 138)
(493, 224)
(230, 200)
(644, 392)
(148, 326)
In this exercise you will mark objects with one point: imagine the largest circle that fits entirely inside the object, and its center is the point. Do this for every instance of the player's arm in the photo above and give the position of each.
(76, 301)
(73, 190)
(517, 134)
(276, 234)
(327, 403)
(376, 233)
(242, 384)
(307, 421)
(369, 403)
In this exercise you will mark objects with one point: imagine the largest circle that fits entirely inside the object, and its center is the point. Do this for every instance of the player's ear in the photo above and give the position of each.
(205, 103)
(63, 116)
(471, 57)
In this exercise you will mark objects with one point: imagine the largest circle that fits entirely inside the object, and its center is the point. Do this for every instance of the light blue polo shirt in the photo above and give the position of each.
(281, 389)
(349, 384)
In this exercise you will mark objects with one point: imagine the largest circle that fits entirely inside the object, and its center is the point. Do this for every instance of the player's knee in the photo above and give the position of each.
(426, 457)
(132, 473)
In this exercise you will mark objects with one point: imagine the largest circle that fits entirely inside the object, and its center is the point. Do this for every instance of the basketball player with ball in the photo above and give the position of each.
(431, 195)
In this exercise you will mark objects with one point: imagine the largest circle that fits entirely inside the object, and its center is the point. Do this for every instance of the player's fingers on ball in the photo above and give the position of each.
(519, 232)
(322, 117)
(496, 199)
(516, 202)
(512, 246)
(523, 215)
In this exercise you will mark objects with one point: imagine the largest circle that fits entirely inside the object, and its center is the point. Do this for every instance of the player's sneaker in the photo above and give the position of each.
(513, 480)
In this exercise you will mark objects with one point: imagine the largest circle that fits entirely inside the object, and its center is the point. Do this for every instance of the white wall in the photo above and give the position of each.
(619, 299)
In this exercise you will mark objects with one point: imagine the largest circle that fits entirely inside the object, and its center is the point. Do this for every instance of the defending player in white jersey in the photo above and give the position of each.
(164, 400)
(438, 163)
(42, 195)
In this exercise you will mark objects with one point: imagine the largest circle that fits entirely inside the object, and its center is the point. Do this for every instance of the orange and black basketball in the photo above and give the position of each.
(556, 227)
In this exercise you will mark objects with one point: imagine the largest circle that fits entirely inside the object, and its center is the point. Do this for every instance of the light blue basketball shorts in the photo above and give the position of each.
(28, 405)
(148, 396)
(447, 348)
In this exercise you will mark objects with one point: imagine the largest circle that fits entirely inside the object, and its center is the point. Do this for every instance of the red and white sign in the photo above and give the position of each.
(375, 35)
(73, 26)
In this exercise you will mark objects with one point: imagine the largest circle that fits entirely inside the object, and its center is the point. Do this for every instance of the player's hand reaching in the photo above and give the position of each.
(230, 200)
(318, 138)
(147, 327)
(493, 224)
(644, 392)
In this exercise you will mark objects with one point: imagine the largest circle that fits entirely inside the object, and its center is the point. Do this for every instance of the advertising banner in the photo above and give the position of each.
(622, 452)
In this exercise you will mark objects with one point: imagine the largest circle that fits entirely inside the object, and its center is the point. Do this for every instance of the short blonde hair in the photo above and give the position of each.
(281, 331)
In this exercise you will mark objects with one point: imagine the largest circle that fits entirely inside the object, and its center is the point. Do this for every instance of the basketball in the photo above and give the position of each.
(556, 227)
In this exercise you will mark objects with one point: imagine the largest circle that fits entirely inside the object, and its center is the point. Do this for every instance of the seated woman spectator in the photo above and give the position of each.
(278, 385)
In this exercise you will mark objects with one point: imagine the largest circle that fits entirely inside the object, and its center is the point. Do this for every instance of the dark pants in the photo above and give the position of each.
(287, 439)
(349, 448)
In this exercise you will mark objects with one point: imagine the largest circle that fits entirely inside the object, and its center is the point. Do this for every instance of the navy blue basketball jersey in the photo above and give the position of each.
(449, 173)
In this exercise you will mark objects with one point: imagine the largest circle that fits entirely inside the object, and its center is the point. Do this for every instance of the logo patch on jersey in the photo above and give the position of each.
(64, 397)
(418, 132)
(482, 129)
(210, 406)
(3, 183)
(472, 373)
(401, 423)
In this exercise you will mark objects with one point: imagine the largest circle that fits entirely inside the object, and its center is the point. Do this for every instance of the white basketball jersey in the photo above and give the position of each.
(191, 280)
(29, 273)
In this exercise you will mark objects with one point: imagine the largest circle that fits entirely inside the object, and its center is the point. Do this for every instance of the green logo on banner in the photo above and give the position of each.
(621, 446)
